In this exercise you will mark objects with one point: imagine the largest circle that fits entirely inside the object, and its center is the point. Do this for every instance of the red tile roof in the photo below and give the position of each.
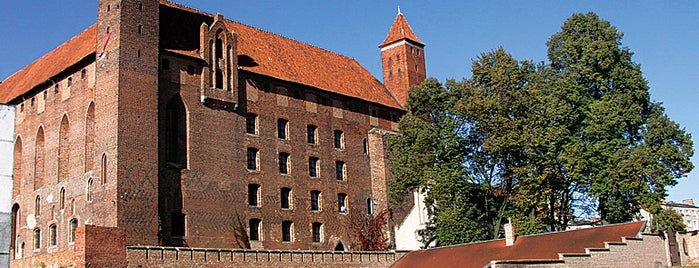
(400, 30)
(67, 54)
(275, 56)
(533, 247)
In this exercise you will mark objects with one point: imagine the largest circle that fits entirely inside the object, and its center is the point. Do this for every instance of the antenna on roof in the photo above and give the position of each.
(399, 13)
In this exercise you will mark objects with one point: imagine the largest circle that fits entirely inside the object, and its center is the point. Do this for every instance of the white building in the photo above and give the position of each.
(689, 212)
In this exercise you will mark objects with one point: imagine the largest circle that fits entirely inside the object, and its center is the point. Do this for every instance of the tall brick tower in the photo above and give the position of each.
(403, 59)
(126, 109)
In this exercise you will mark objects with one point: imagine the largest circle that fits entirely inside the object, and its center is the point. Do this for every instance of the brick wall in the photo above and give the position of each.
(646, 252)
(689, 247)
(140, 256)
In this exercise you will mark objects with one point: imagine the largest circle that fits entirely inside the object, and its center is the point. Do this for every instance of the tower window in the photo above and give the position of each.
(254, 195)
(140, 29)
(313, 167)
(69, 82)
(89, 190)
(37, 238)
(365, 145)
(315, 200)
(317, 230)
(283, 163)
(255, 229)
(287, 229)
(285, 197)
(73, 226)
(252, 159)
(369, 206)
(62, 198)
(282, 128)
(339, 139)
(312, 133)
(342, 203)
(37, 206)
(340, 170)
(251, 124)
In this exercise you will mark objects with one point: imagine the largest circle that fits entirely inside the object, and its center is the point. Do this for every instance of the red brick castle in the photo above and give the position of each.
(162, 125)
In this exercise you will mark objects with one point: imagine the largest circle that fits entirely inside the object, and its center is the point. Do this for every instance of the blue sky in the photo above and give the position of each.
(663, 35)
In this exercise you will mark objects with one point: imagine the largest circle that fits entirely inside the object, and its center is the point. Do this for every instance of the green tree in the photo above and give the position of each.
(667, 219)
(618, 126)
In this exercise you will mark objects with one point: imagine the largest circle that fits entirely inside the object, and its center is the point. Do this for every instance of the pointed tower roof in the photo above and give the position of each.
(400, 30)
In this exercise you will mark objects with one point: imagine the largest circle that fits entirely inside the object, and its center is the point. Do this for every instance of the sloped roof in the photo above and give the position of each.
(533, 247)
(65, 55)
(275, 56)
(400, 30)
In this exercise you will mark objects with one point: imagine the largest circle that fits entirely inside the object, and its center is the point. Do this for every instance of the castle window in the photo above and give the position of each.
(73, 226)
(52, 235)
(219, 79)
(69, 82)
(365, 146)
(251, 123)
(103, 169)
(55, 88)
(252, 158)
(107, 26)
(138, 53)
(219, 48)
(398, 57)
(340, 170)
(109, 7)
(90, 137)
(165, 64)
(37, 206)
(369, 206)
(312, 134)
(285, 197)
(315, 200)
(282, 128)
(339, 139)
(416, 67)
(284, 163)
(37, 238)
(89, 189)
(176, 132)
(342, 203)
(317, 230)
(313, 167)
(255, 230)
(287, 229)
(140, 6)
(83, 74)
(254, 195)
(62, 198)
(63, 149)
(140, 29)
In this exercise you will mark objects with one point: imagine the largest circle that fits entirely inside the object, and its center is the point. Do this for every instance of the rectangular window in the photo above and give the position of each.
(253, 195)
(313, 167)
(339, 139)
(252, 158)
(340, 170)
(315, 200)
(285, 198)
(312, 133)
(287, 227)
(284, 163)
(317, 229)
(342, 203)
(52, 235)
(37, 238)
(282, 128)
(255, 229)
(251, 124)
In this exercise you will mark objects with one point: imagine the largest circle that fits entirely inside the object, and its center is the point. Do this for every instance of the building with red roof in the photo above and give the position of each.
(164, 126)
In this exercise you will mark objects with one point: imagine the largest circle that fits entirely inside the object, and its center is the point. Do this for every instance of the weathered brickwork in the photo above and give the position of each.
(145, 142)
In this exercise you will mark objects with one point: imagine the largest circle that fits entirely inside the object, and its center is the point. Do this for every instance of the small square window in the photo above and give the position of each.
(252, 159)
(340, 170)
(312, 133)
(251, 124)
(282, 129)
(313, 167)
(283, 163)
(339, 139)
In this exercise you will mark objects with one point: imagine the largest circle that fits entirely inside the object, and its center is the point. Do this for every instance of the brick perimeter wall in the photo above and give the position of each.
(144, 256)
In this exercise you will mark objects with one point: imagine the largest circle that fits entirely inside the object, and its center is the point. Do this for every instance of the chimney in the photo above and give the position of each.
(509, 234)
(688, 202)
